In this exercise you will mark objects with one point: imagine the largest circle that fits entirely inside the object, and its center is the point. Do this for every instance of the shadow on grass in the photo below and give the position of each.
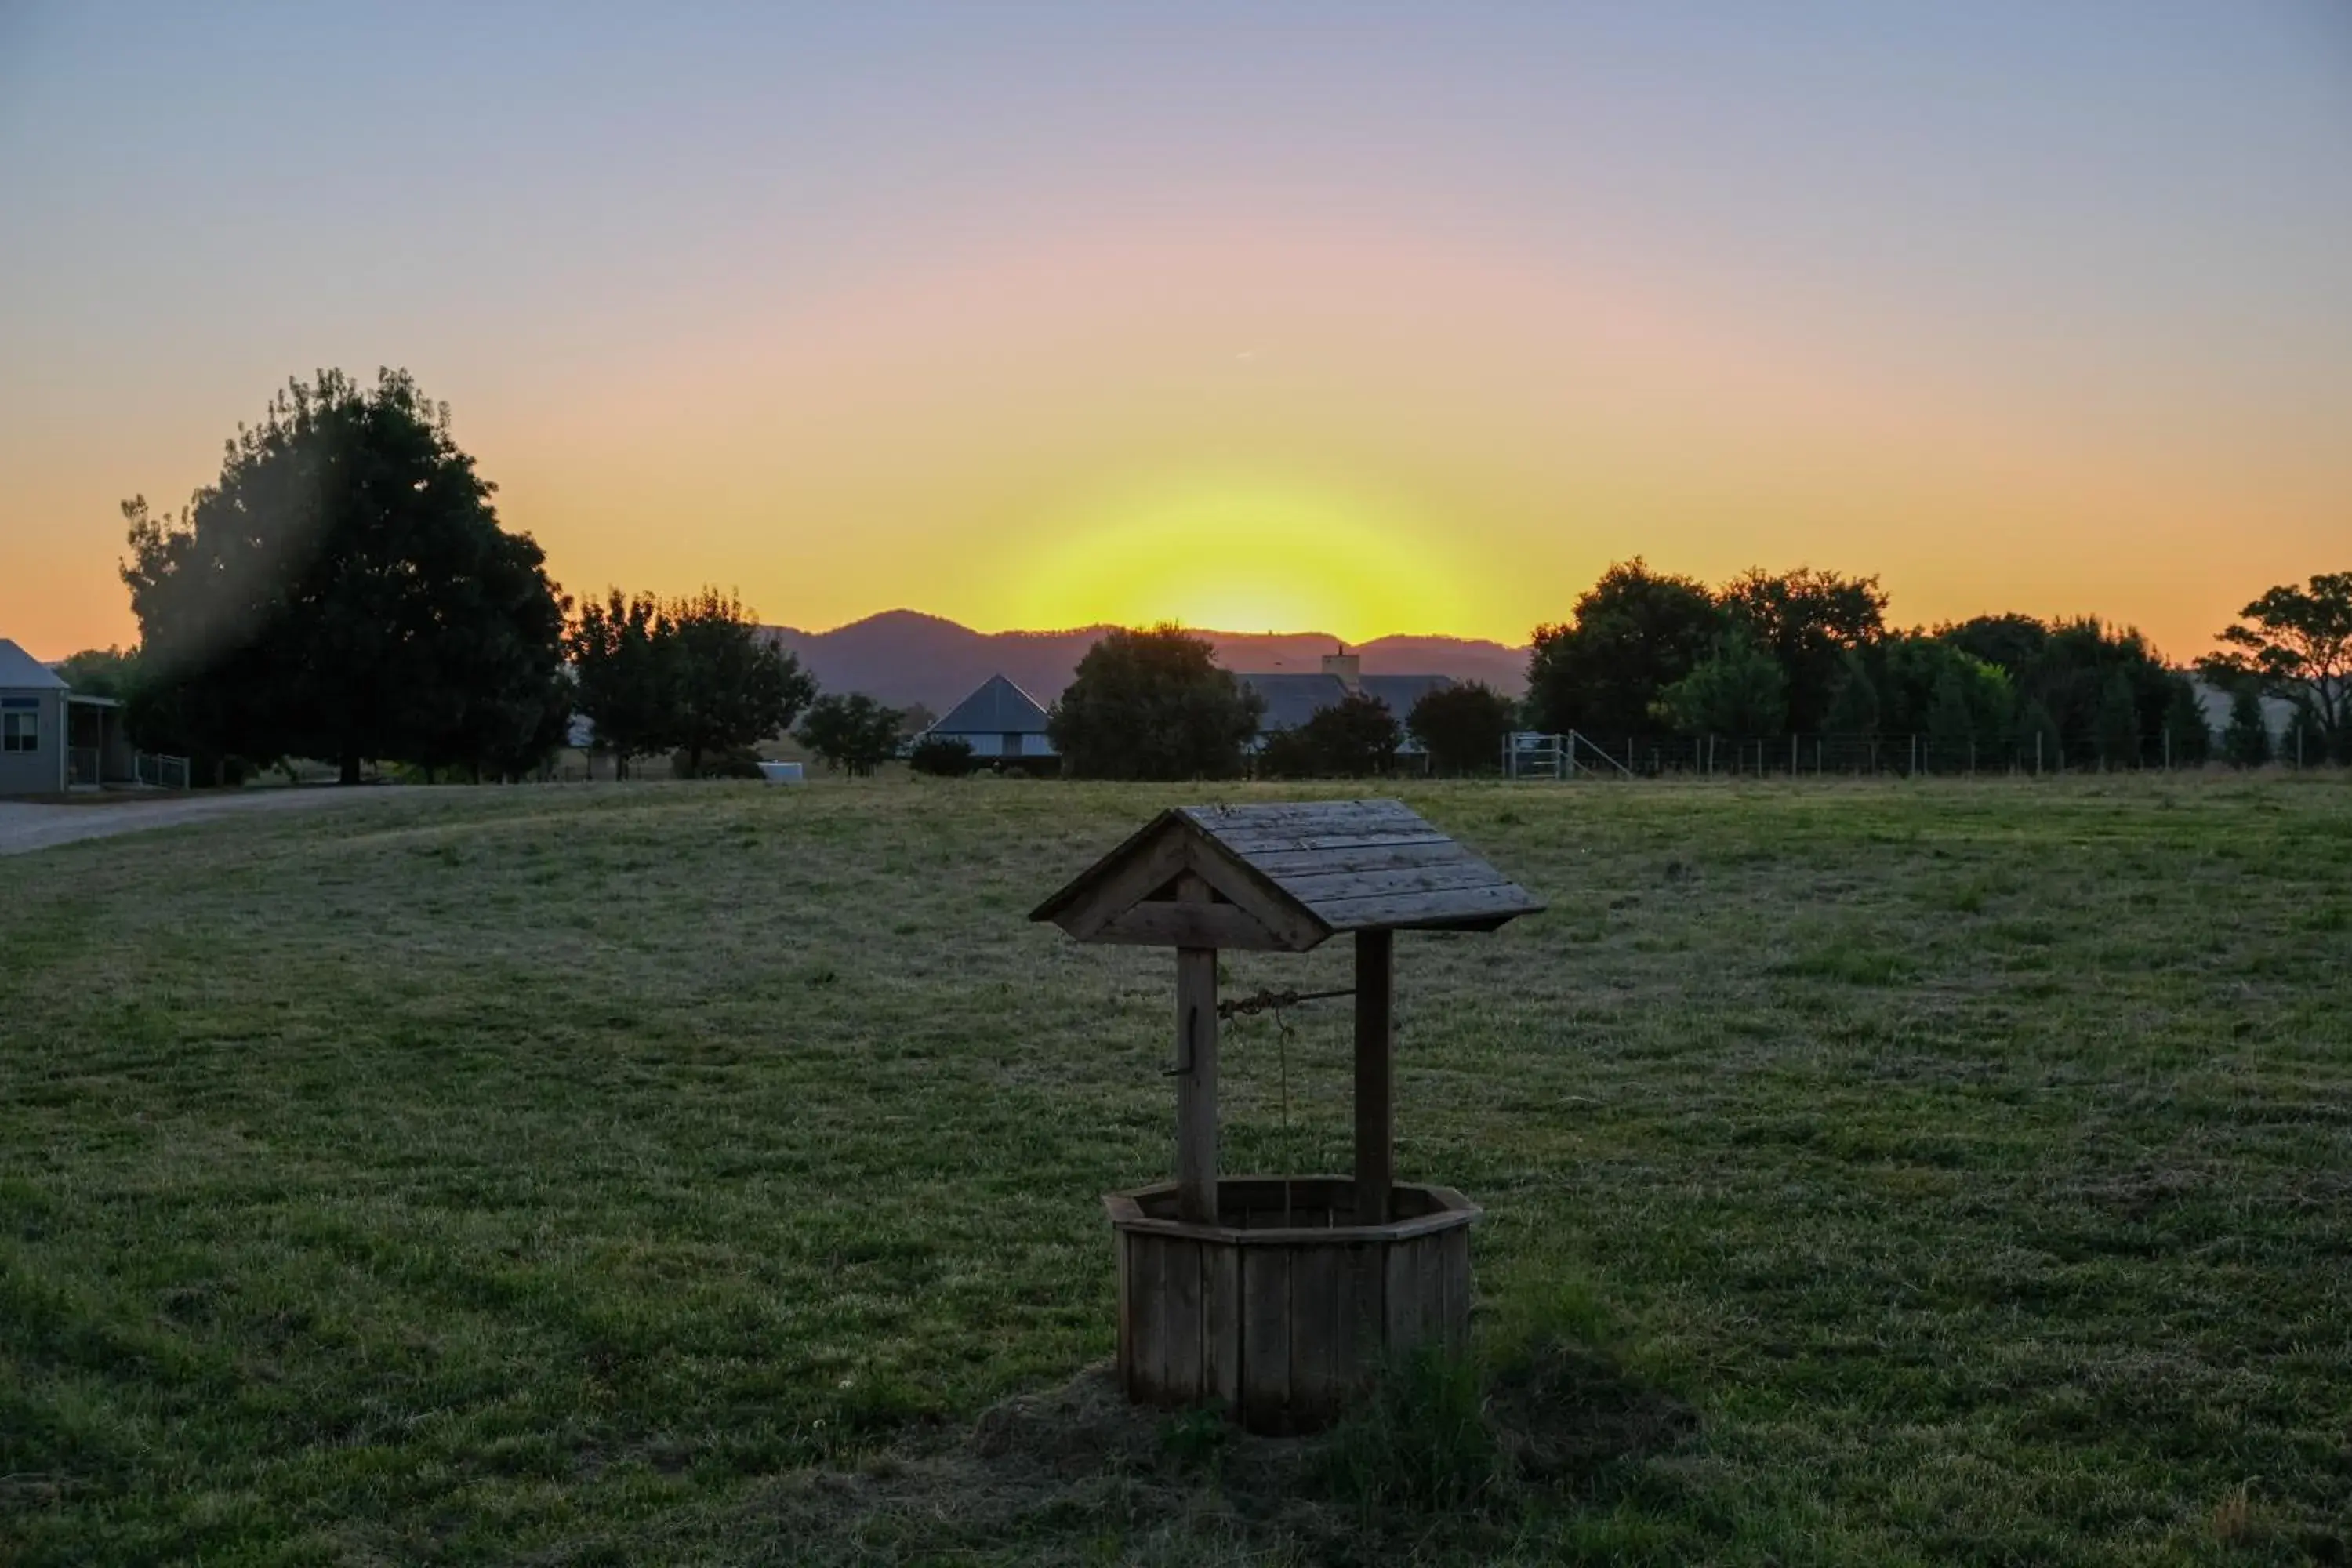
(1451, 1459)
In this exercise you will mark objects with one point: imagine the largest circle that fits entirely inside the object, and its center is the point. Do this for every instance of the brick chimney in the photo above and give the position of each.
(1347, 666)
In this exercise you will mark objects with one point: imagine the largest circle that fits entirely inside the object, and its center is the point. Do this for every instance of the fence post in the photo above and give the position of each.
(1914, 757)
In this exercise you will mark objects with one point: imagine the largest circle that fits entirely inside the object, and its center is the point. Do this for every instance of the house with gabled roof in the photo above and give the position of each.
(997, 720)
(1291, 699)
(51, 739)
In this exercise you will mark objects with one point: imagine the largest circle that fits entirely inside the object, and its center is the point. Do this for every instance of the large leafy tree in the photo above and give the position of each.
(1634, 633)
(1914, 671)
(1809, 620)
(1740, 690)
(1153, 704)
(2296, 642)
(616, 651)
(1461, 727)
(101, 672)
(726, 684)
(853, 733)
(344, 591)
(1355, 737)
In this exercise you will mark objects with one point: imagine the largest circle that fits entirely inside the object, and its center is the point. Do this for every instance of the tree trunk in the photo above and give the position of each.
(350, 769)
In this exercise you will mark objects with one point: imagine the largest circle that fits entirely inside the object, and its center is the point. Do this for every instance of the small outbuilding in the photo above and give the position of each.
(1279, 1296)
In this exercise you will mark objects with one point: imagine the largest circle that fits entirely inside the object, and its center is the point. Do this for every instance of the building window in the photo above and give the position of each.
(20, 731)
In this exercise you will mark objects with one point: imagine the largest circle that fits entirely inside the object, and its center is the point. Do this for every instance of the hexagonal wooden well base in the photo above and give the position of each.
(1285, 1308)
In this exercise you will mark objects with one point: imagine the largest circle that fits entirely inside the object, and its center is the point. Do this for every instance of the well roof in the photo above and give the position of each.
(1286, 877)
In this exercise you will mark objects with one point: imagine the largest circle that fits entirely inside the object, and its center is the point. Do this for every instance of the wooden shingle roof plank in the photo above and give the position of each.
(1293, 874)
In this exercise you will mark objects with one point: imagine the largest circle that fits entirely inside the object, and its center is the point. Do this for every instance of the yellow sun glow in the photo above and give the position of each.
(1235, 555)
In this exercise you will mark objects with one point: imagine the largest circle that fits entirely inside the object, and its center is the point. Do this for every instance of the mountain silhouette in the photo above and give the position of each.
(903, 656)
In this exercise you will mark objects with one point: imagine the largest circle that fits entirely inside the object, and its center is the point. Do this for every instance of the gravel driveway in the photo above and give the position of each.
(25, 827)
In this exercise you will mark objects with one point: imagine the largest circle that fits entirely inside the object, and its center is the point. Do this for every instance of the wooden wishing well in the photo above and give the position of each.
(1278, 1297)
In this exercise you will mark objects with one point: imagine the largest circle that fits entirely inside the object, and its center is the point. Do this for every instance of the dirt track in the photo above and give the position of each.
(25, 826)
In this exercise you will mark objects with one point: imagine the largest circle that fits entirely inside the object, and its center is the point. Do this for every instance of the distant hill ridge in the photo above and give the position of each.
(903, 656)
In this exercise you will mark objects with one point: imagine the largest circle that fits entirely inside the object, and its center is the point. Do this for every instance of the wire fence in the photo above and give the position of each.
(1578, 755)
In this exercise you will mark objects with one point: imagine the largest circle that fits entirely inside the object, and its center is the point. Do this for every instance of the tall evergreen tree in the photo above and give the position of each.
(2189, 739)
(2040, 747)
(1853, 706)
(2305, 740)
(1951, 725)
(2116, 727)
(2246, 739)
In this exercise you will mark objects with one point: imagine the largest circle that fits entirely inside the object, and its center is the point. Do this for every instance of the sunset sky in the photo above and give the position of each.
(1366, 318)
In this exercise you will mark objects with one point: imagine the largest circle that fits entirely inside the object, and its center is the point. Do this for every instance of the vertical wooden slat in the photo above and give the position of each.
(1144, 1298)
(1125, 1241)
(1196, 1085)
(1408, 1269)
(1315, 1375)
(1221, 1324)
(1180, 1324)
(1363, 1310)
(1455, 1271)
(1266, 1338)
(1375, 1057)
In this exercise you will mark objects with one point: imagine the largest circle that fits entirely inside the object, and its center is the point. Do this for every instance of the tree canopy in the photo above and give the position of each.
(1739, 689)
(618, 668)
(1807, 620)
(1634, 634)
(1461, 727)
(1153, 704)
(694, 675)
(730, 686)
(853, 733)
(2297, 643)
(1355, 737)
(343, 591)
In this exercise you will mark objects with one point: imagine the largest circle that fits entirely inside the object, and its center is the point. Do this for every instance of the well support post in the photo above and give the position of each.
(1196, 1076)
(1375, 1059)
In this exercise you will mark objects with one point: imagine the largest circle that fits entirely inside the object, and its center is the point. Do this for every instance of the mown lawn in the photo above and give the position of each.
(572, 1173)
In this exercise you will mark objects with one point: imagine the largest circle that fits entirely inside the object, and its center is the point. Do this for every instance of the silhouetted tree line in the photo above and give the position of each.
(1807, 652)
(344, 591)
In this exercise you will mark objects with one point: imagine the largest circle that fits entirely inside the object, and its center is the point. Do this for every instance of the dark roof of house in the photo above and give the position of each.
(1401, 691)
(1284, 877)
(998, 707)
(20, 672)
(1291, 699)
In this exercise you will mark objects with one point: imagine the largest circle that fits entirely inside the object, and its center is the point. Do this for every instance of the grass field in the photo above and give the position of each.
(674, 1172)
